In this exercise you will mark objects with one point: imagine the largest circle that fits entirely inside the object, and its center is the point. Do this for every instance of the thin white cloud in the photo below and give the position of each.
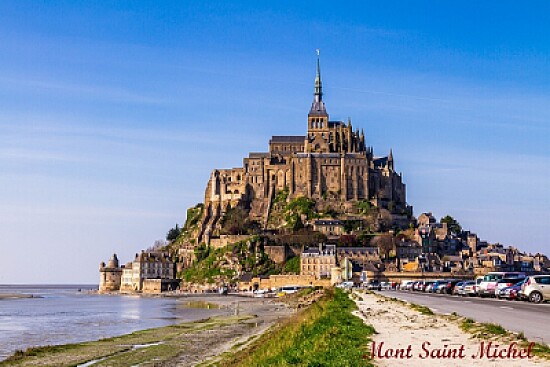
(43, 213)
(22, 155)
(111, 94)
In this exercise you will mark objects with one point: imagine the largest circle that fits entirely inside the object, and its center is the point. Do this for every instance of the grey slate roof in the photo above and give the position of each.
(258, 155)
(335, 123)
(287, 139)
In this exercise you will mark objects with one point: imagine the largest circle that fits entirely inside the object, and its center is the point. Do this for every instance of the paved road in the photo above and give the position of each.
(531, 319)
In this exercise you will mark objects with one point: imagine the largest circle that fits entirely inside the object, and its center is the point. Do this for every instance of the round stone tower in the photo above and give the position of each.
(110, 275)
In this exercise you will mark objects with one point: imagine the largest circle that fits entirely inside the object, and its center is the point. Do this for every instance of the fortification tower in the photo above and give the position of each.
(110, 275)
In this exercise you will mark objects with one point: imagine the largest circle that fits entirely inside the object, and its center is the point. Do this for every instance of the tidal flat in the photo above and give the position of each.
(184, 344)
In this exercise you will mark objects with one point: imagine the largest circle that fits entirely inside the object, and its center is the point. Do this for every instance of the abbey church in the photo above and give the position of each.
(331, 163)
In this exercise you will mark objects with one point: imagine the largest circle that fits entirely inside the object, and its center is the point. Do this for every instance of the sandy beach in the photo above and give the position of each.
(408, 337)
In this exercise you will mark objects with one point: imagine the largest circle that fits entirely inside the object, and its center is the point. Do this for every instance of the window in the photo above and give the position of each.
(543, 280)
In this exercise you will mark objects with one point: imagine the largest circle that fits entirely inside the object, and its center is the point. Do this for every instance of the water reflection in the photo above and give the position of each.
(65, 315)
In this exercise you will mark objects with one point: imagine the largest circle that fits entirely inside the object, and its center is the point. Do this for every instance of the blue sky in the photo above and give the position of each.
(113, 113)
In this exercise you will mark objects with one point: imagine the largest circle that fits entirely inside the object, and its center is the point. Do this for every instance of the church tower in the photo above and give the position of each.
(317, 118)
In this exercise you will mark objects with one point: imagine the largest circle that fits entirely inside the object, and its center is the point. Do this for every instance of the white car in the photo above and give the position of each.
(536, 288)
(489, 283)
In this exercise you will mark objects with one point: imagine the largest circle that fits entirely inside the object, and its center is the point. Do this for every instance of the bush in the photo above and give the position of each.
(292, 265)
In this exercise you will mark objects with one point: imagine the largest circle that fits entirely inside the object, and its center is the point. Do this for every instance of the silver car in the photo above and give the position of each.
(536, 288)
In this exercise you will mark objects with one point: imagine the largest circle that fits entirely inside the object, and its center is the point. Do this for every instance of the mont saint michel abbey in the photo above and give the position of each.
(332, 162)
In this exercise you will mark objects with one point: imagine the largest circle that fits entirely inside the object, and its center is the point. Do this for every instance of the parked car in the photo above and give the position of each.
(437, 284)
(428, 284)
(420, 286)
(473, 290)
(512, 292)
(504, 283)
(287, 289)
(448, 286)
(345, 285)
(488, 285)
(465, 287)
(458, 288)
(536, 288)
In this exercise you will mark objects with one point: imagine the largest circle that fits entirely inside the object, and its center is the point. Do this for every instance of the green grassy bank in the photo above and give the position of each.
(325, 334)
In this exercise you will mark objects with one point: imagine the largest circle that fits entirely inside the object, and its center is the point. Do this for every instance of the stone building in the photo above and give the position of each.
(155, 266)
(110, 275)
(318, 261)
(329, 227)
(331, 162)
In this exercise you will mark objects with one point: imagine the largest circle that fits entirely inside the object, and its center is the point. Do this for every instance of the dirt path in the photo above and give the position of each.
(403, 334)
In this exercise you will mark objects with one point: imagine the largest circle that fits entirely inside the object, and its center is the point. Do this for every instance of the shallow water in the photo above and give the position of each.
(63, 315)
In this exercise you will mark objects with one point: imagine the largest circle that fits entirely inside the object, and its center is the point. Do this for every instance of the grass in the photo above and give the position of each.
(202, 304)
(541, 350)
(422, 309)
(325, 334)
(485, 330)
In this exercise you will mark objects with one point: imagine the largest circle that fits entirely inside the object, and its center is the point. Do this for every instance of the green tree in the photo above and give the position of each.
(202, 251)
(235, 221)
(292, 265)
(173, 233)
(385, 244)
(364, 206)
(452, 224)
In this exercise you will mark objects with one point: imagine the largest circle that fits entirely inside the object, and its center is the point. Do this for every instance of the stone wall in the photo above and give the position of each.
(278, 254)
(225, 240)
(159, 285)
(277, 281)
(110, 279)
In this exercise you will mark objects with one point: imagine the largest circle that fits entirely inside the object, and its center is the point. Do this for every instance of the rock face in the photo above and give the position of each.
(331, 164)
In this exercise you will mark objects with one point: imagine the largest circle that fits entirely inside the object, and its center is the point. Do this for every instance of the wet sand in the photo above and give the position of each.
(185, 344)
(16, 295)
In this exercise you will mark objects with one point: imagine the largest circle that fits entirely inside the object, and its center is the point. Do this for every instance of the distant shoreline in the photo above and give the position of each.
(17, 296)
(52, 285)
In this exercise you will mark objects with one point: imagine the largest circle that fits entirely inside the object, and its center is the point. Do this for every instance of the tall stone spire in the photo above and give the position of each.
(318, 94)
(318, 106)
